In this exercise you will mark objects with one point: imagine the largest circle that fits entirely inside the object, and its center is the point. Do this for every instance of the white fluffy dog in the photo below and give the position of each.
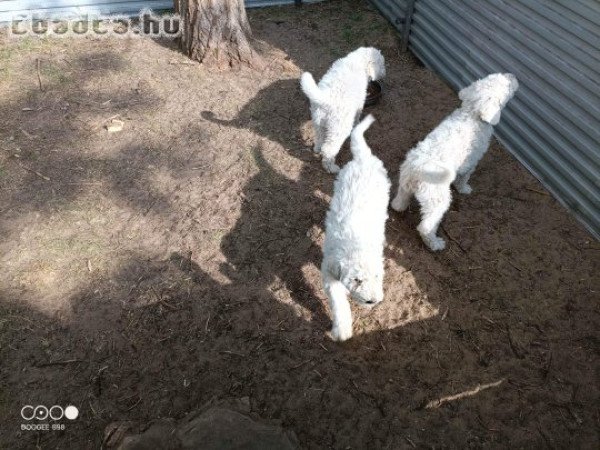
(337, 102)
(450, 153)
(355, 234)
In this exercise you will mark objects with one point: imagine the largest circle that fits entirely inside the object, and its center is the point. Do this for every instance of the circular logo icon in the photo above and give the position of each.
(71, 412)
(40, 412)
(56, 412)
(27, 412)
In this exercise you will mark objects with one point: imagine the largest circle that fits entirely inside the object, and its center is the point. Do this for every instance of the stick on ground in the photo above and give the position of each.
(39, 75)
(480, 387)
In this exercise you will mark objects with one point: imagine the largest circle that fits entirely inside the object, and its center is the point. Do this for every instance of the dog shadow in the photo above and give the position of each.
(277, 113)
(270, 246)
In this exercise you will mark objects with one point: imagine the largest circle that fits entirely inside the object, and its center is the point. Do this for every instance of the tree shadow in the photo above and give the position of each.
(48, 142)
(62, 164)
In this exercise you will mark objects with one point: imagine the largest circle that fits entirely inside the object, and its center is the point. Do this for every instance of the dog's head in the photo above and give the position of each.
(364, 282)
(488, 96)
(375, 63)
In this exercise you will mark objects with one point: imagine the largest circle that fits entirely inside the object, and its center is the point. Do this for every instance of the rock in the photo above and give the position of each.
(115, 125)
(160, 435)
(216, 428)
(220, 429)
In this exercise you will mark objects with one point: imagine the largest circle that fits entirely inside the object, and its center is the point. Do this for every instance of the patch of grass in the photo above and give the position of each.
(12, 49)
(379, 27)
(336, 52)
(53, 74)
(6, 53)
(279, 14)
(357, 16)
(348, 34)
(72, 245)
(26, 44)
(217, 235)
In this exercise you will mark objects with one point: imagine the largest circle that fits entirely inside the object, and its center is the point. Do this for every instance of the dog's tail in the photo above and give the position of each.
(436, 172)
(311, 90)
(358, 145)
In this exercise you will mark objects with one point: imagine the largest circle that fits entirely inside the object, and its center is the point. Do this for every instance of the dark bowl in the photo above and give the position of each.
(374, 92)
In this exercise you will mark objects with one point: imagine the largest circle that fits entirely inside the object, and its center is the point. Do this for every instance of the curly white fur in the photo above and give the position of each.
(450, 153)
(337, 101)
(355, 234)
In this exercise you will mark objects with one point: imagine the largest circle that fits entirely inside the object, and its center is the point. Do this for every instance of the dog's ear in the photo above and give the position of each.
(465, 94)
(490, 111)
(371, 69)
(376, 64)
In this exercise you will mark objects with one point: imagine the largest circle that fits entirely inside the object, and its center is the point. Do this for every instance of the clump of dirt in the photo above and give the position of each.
(148, 270)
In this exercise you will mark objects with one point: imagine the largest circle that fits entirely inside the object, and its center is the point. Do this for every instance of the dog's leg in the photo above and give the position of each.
(434, 204)
(329, 150)
(319, 134)
(462, 182)
(402, 199)
(319, 122)
(340, 308)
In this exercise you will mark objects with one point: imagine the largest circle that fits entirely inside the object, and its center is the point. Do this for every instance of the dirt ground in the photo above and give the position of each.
(149, 271)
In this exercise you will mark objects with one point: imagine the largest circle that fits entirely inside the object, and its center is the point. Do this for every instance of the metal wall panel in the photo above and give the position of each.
(262, 3)
(73, 8)
(393, 10)
(553, 124)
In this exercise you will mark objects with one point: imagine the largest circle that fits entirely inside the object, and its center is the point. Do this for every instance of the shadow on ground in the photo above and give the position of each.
(194, 305)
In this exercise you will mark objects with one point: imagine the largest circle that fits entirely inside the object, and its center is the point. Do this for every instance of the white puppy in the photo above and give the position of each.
(355, 234)
(450, 153)
(338, 100)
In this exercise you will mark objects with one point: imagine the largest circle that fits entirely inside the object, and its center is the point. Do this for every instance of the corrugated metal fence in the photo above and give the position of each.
(74, 8)
(553, 124)
(394, 11)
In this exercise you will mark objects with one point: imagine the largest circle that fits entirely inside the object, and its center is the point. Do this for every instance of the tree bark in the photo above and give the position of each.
(216, 33)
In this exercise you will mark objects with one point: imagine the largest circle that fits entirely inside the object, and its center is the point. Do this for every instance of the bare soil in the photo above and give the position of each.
(149, 271)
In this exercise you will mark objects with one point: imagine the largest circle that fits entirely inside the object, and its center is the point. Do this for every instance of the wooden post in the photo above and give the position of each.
(410, 9)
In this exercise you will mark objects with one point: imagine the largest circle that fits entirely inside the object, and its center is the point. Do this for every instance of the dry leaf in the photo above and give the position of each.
(115, 125)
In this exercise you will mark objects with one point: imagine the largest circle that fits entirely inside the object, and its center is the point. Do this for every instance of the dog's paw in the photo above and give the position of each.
(341, 333)
(464, 189)
(330, 166)
(436, 244)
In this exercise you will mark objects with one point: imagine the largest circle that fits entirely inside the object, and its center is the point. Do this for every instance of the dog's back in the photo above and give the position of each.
(453, 140)
(462, 138)
(358, 209)
(347, 78)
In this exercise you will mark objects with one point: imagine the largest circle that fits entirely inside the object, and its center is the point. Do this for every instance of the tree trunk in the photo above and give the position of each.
(216, 33)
